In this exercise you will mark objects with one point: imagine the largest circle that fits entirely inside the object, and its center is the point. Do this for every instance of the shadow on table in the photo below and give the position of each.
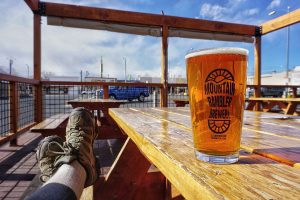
(288, 156)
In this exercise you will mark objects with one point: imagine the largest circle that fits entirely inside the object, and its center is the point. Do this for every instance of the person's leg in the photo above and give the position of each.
(67, 183)
(71, 165)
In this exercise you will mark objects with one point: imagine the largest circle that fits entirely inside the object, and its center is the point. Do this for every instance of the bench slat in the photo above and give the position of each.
(51, 125)
(42, 125)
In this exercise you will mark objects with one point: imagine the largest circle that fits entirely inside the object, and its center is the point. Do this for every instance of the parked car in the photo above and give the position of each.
(268, 92)
(88, 92)
(127, 93)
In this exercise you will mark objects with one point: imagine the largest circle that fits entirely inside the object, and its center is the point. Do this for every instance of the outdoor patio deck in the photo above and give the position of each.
(18, 165)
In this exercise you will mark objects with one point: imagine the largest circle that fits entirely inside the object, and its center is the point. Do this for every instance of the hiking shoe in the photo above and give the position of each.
(80, 136)
(49, 149)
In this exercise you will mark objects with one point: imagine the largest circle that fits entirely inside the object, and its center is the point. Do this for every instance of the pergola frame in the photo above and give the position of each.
(165, 23)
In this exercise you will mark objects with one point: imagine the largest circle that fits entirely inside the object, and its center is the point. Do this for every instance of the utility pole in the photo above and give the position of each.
(27, 70)
(101, 70)
(125, 69)
(80, 80)
(10, 65)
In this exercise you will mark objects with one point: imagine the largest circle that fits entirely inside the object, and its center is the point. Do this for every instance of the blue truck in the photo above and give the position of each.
(127, 93)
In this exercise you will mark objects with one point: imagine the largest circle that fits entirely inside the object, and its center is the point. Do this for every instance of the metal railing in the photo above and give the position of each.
(17, 97)
(56, 94)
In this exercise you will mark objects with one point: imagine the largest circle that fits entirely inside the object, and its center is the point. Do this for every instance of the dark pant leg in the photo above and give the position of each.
(53, 191)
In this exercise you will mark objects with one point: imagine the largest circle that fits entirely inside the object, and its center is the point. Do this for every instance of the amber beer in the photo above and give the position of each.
(217, 83)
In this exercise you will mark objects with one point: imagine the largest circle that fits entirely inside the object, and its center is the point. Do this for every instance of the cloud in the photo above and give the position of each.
(67, 51)
(274, 4)
(212, 11)
(236, 11)
(250, 12)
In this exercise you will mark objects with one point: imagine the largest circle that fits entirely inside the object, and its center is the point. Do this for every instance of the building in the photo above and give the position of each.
(278, 78)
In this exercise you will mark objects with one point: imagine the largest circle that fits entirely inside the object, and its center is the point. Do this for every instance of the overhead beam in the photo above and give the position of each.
(144, 30)
(33, 4)
(281, 22)
(143, 19)
(98, 25)
(209, 36)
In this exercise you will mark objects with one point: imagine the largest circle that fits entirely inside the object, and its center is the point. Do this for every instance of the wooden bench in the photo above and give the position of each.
(288, 105)
(181, 102)
(54, 125)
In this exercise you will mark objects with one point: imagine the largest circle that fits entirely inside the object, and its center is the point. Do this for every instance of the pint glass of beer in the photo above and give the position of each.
(217, 83)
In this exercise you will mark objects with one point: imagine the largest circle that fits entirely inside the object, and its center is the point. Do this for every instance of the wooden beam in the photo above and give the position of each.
(257, 61)
(281, 22)
(37, 47)
(98, 25)
(101, 83)
(33, 4)
(164, 68)
(14, 112)
(210, 36)
(37, 66)
(144, 19)
(7, 77)
(144, 30)
(105, 92)
(257, 69)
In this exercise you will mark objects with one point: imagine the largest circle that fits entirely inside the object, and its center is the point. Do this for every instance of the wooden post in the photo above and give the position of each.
(37, 66)
(105, 92)
(294, 90)
(257, 69)
(164, 68)
(14, 114)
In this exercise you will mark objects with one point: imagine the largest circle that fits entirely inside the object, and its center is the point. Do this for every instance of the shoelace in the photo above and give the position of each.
(63, 152)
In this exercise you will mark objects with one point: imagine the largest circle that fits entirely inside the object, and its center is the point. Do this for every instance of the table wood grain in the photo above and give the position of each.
(163, 135)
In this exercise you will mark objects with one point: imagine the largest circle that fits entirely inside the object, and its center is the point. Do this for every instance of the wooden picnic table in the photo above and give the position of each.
(180, 102)
(55, 124)
(106, 126)
(288, 105)
(268, 167)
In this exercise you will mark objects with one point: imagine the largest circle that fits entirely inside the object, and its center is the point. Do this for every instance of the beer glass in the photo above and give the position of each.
(217, 83)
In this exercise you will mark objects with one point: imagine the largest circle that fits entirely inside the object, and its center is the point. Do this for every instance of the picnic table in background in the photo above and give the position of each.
(288, 105)
(106, 126)
(268, 167)
(181, 102)
(53, 125)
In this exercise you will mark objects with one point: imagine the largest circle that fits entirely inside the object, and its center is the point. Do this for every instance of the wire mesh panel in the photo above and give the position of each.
(26, 109)
(55, 97)
(136, 96)
(5, 108)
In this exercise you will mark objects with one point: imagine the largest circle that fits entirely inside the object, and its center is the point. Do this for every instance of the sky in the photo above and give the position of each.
(67, 51)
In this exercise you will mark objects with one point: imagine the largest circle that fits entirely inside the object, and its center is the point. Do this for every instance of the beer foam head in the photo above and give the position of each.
(225, 50)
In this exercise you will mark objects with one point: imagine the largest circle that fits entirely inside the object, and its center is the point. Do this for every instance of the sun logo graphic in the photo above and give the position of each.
(219, 89)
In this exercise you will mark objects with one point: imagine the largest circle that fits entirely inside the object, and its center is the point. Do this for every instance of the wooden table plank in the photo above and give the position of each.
(96, 104)
(169, 146)
(276, 140)
(106, 126)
